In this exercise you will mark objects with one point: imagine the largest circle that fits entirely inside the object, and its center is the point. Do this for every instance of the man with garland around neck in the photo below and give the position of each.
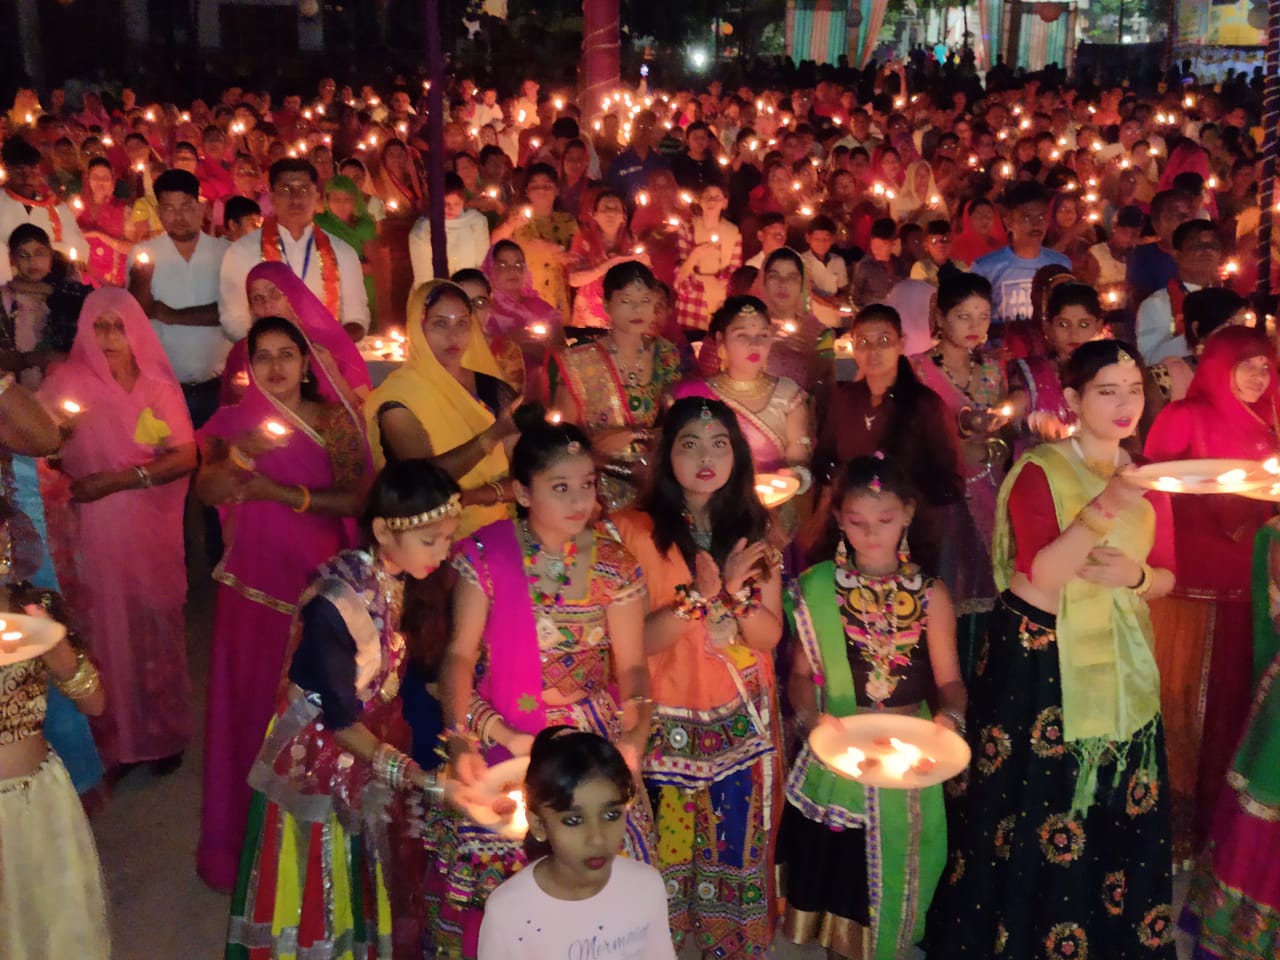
(326, 264)
(27, 199)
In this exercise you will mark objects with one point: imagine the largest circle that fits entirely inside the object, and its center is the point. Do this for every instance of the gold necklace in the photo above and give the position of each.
(742, 390)
(1099, 468)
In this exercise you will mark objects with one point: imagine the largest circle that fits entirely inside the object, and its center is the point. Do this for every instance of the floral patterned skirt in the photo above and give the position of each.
(1027, 879)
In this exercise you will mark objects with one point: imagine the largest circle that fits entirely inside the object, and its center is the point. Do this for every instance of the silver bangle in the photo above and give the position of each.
(143, 476)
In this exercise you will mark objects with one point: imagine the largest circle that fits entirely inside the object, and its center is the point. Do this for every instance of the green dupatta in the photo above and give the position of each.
(906, 829)
(1110, 681)
(1254, 773)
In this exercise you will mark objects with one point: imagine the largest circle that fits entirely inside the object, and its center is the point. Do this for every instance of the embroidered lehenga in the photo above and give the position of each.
(528, 648)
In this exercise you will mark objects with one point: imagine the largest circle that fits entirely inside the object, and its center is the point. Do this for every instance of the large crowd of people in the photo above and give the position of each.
(512, 511)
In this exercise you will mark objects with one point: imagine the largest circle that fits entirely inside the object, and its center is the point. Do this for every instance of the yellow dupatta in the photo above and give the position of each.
(447, 411)
(1106, 658)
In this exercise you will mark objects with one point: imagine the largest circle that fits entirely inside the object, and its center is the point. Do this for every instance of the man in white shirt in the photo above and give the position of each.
(28, 199)
(1197, 250)
(174, 276)
(326, 264)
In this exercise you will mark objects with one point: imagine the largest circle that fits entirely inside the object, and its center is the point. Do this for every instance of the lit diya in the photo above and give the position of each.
(775, 489)
(275, 429)
(1203, 476)
(24, 637)
(496, 802)
(889, 751)
(72, 408)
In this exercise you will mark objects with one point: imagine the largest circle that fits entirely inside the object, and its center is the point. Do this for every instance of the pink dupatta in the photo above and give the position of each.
(317, 325)
(513, 683)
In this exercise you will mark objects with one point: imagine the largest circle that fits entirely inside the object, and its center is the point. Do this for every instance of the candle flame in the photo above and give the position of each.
(72, 407)
(540, 329)
(397, 336)
(789, 327)
(554, 416)
(275, 428)
(904, 757)
(715, 238)
(71, 254)
(639, 249)
(1168, 484)
(144, 258)
(851, 761)
(1232, 476)
(1006, 410)
(520, 818)
(1272, 465)
(11, 635)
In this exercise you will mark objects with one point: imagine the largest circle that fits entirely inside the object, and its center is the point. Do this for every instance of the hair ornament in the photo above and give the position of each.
(573, 447)
(706, 415)
(450, 508)
(747, 310)
(1124, 359)
(875, 486)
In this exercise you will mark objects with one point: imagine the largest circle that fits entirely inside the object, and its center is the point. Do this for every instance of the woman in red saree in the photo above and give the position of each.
(128, 457)
(102, 221)
(981, 232)
(1204, 629)
(287, 467)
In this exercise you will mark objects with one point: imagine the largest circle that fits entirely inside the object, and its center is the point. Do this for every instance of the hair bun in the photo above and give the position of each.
(529, 416)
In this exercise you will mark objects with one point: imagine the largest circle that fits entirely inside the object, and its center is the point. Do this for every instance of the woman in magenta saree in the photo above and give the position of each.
(274, 290)
(128, 457)
(286, 467)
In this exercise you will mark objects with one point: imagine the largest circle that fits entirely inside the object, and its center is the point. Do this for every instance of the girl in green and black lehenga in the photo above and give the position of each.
(1064, 851)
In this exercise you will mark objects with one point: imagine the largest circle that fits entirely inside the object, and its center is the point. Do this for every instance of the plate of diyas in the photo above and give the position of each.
(888, 750)
(775, 489)
(496, 802)
(1206, 476)
(24, 638)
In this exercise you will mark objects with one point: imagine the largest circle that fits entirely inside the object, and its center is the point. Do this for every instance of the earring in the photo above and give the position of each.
(306, 376)
(904, 549)
(842, 553)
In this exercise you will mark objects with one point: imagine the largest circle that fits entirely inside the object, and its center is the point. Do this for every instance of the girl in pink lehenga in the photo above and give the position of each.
(128, 457)
(287, 467)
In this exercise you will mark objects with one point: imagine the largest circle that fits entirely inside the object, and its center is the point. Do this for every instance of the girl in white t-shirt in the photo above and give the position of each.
(577, 899)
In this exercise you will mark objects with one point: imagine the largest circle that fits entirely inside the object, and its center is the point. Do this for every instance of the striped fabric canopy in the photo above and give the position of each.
(816, 30)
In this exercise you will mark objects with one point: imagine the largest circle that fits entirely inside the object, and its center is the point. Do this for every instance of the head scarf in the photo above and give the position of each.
(877, 167)
(1235, 423)
(907, 203)
(408, 194)
(968, 245)
(447, 411)
(1190, 157)
(357, 234)
(320, 329)
(509, 313)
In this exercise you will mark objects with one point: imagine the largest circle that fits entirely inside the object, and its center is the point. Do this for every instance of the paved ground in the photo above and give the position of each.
(160, 910)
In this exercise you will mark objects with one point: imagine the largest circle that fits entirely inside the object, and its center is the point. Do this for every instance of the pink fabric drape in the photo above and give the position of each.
(270, 553)
(129, 550)
(315, 321)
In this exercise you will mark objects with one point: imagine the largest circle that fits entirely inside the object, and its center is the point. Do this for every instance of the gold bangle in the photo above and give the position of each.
(497, 490)
(306, 500)
(85, 682)
(238, 457)
(1146, 583)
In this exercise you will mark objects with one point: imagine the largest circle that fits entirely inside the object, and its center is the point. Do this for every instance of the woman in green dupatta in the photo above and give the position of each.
(1234, 904)
(346, 216)
(1061, 841)
(877, 634)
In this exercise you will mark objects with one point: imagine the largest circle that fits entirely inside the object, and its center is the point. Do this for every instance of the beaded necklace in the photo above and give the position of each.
(881, 637)
(559, 569)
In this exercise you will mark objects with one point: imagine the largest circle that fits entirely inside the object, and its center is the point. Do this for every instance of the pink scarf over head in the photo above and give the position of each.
(316, 323)
(279, 548)
(1188, 157)
(508, 313)
(108, 434)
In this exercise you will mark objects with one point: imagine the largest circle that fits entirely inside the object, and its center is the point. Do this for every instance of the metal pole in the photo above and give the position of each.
(1120, 25)
(435, 140)
(1270, 118)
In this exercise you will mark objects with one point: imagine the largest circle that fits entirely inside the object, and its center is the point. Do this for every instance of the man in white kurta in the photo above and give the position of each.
(294, 185)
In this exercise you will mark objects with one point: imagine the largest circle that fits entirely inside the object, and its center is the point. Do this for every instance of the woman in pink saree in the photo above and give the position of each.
(520, 320)
(287, 467)
(274, 290)
(130, 451)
